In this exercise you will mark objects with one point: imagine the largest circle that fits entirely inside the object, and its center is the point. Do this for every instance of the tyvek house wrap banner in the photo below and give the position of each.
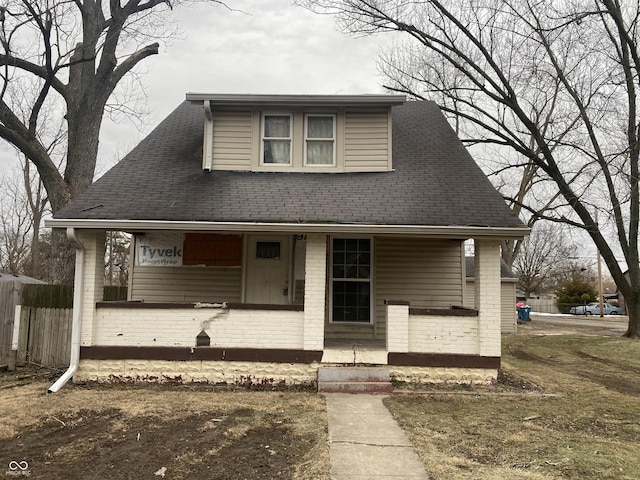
(160, 249)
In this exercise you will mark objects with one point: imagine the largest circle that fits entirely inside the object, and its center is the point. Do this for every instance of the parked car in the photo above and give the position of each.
(593, 308)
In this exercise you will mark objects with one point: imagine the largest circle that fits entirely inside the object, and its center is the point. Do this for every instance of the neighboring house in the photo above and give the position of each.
(276, 233)
(13, 277)
(508, 283)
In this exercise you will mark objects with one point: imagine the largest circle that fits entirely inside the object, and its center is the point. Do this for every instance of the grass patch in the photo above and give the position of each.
(590, 430)
(125, 431)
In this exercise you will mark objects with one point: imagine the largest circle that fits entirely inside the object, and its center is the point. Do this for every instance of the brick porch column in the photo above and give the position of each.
(92, 281)
(397, 326)
(487, 292)
(315, 279)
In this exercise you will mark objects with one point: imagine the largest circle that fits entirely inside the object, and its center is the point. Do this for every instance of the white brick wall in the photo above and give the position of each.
(443, 334)
(315, 291)
(92, 280)
(398, 328)
(180, 326)
(487, 295)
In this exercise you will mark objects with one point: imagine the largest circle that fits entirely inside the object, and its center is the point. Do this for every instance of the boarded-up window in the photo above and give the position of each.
(212, 249)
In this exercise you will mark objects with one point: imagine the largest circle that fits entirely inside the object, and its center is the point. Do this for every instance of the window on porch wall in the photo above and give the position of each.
(351, 280)
(212, 250)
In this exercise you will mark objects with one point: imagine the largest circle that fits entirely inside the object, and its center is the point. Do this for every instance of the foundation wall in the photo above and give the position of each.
(424, 375)
(257, 373)
(204, 371)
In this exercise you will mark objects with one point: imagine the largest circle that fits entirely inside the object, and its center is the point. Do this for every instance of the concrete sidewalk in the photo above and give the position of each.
(366, 443)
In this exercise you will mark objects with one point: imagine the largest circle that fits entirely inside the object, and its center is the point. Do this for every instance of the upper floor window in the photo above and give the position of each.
(276, 138)
(320, 139)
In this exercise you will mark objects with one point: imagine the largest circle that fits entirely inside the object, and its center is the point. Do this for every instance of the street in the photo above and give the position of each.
(612, 325)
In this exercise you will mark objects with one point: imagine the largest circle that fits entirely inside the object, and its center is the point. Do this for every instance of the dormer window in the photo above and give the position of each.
(320, 134)
(297, 133)
(276, 139)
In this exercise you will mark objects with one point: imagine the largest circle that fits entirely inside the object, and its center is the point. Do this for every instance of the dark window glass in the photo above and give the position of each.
(268, 250)
(351, 271)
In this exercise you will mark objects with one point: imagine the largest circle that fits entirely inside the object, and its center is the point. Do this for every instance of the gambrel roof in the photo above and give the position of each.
(435, 182)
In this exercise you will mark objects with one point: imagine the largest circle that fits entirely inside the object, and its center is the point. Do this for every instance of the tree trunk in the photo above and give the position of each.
(632, 305)
(62, 262)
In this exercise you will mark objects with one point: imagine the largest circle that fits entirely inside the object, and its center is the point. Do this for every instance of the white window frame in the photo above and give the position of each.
(263, 127)
(370, 280)
(307, 139)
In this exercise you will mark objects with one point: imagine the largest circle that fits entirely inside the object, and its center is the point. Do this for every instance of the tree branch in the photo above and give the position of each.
(37, 70)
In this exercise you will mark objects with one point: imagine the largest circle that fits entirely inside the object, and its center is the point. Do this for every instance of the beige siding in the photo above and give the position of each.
(367, 141)
(427, 273)
(470, 295)
(507, 307)
(363, 141)
(232, 141)
(186, 284)
(353, 331)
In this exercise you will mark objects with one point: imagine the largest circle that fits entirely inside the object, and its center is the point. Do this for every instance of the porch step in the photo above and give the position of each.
(355, 352)
(354, 380)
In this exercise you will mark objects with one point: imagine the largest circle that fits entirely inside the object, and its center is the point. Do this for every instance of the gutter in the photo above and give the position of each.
(457, 232)
(78, 284)
(293, 100)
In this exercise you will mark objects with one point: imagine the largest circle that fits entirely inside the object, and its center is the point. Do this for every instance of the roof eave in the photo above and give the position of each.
(457, 232)
(292, 100)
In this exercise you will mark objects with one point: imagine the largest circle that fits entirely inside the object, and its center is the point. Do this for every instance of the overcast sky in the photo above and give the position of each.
(267, 46)
(273, 47)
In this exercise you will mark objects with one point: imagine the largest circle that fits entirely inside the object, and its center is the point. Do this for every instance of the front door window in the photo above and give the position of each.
(351, 280)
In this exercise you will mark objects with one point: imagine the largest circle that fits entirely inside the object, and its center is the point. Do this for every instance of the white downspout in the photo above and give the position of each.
(78, 288)
(207, 147)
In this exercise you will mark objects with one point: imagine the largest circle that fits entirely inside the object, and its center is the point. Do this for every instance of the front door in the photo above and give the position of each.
(267, 279)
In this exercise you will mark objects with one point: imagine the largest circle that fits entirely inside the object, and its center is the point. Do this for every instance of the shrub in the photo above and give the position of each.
(574, 292)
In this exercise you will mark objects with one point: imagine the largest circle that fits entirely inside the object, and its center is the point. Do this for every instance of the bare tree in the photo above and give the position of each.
(408, 69)
(75, 53)
(37, 204)
(509, 65)
(543, 258)
(16, 226)
(117, 246)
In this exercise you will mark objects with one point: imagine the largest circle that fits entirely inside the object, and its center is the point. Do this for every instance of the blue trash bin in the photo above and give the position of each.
(524, 313)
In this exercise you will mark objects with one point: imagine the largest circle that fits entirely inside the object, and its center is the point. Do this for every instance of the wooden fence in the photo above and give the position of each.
(9, 297)
(45, 336)
(45, 322)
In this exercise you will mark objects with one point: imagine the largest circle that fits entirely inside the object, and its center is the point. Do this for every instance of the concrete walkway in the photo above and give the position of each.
(366, 443)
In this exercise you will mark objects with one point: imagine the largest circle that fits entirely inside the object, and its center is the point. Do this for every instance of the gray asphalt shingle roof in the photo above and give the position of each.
(435, 182)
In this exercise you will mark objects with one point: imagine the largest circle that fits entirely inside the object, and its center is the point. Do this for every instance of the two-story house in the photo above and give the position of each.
(275, 234)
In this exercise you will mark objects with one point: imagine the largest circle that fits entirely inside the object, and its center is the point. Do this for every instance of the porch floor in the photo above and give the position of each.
(354, 351)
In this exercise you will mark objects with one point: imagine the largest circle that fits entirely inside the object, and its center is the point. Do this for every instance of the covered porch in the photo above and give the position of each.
(218, 339)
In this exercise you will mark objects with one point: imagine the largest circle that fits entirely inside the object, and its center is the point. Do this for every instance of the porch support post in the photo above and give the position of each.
(397, 326)
(315, 286)
(92, 280)
(487, 296)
